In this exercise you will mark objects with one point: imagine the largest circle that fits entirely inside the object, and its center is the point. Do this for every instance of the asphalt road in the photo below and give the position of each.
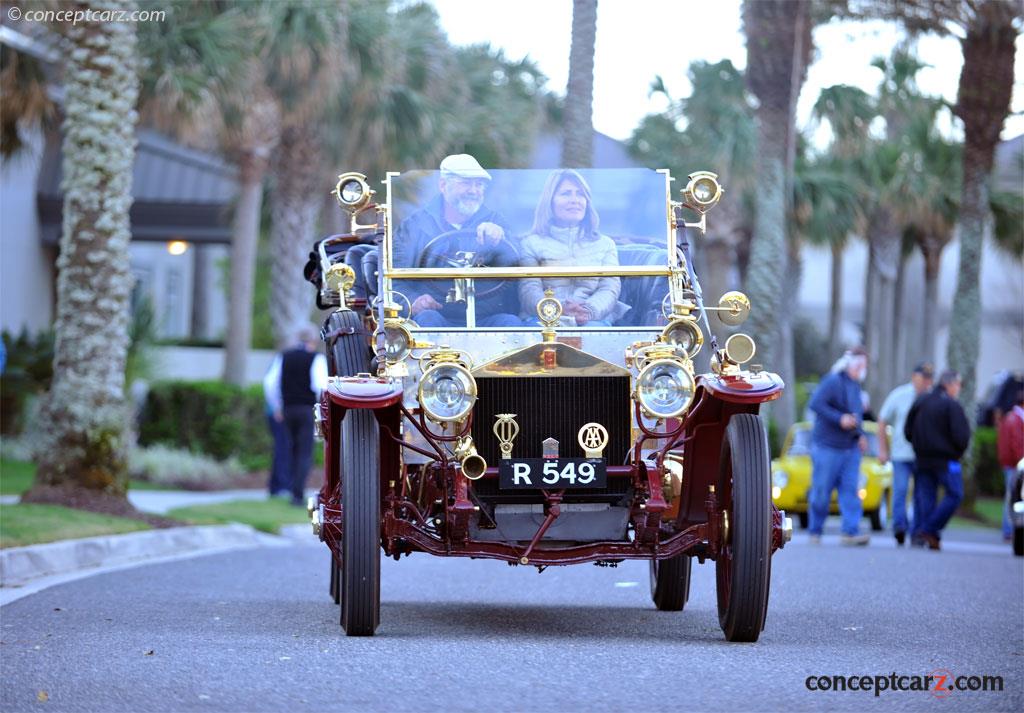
(256, 631)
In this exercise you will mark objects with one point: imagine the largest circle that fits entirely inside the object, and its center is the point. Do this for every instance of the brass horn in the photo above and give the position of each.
(473, 464)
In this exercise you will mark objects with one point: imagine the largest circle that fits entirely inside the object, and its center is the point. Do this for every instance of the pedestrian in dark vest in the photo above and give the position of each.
(292, 386)
(938, 430)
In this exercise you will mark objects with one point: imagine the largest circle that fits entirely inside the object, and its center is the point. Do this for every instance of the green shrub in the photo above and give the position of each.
(171, 467)
(27, 374)
(217, 419)
(988, 474)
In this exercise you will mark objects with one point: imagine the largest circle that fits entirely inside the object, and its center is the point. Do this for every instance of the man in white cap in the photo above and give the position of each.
(459, 206)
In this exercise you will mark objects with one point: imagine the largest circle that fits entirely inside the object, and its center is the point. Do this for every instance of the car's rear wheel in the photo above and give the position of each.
(360, 524)
(805, 520)
(335, 577)
(743, 567)
(670, 583)
(1018, 541)
(879, 517)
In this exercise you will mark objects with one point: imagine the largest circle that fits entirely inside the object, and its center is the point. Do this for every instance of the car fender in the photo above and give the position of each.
(364, 391)
(745, 387)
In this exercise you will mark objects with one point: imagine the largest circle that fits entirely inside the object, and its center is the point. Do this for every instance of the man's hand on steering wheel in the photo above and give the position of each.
(423, 303)
(489, 234)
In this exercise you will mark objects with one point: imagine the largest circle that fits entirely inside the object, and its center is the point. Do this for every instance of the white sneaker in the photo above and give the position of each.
(855, 540)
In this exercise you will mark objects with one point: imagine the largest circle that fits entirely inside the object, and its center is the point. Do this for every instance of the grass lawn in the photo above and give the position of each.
(30, 524)
(267, 515)
(16, 477)
(989, 512)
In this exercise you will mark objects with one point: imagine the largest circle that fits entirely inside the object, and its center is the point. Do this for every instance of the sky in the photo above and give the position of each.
(639, 39)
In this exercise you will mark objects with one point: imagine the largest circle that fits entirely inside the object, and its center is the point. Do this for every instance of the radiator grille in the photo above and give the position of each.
(553, 407)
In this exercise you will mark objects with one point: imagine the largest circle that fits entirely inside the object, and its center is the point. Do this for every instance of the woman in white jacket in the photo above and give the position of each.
(565, 232)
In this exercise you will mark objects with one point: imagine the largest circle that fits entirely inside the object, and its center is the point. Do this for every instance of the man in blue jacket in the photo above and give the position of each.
(458, 206)
(835, 446)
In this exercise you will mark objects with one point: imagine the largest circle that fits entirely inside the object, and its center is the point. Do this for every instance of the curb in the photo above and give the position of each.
(22, 565)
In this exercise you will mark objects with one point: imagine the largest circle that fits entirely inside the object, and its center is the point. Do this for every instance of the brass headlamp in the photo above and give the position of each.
(352, 191)
(702, 191)
(684, 333)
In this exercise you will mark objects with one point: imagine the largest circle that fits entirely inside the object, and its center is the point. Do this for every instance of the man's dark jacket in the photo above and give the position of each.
(425, 224)
(937, 428)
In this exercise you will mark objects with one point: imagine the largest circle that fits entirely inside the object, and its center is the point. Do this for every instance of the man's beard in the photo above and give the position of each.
(467, 207)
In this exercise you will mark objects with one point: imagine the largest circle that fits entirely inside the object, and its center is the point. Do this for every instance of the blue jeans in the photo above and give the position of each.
(835, 469)
(901, 470)
(1010, 474)
(931, 519)
(279, 480)
(298, 427)
(433, 318)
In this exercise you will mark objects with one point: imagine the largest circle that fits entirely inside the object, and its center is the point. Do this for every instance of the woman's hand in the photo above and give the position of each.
(578, 311)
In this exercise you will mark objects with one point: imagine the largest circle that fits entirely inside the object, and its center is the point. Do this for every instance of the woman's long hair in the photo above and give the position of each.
(544, 217)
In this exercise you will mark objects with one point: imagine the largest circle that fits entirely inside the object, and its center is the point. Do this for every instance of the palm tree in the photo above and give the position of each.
(849, 112)
(205, 81)
(983, 101)
(778, 51)
(84, 438)
(987, 30)
(305, 67)
(719, 135)
(578, 141)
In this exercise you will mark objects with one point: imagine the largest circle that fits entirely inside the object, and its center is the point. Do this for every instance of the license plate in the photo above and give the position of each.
(551, 473)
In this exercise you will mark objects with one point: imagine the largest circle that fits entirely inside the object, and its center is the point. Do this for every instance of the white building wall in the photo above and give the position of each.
(26, 268)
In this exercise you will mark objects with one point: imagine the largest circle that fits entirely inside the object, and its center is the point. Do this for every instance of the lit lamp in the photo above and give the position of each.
(177, 247)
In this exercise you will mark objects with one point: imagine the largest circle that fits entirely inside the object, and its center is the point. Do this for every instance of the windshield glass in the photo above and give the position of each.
(599, 239)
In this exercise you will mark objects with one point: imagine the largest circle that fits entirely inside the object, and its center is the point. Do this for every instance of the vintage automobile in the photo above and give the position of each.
(546, 440)
(791, 477)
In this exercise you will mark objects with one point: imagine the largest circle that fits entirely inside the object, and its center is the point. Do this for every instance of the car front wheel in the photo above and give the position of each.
(743, 566)
(359, 576)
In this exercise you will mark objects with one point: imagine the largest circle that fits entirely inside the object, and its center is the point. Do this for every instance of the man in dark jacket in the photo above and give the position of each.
(459, 206)
(835, 447)
(938, 430)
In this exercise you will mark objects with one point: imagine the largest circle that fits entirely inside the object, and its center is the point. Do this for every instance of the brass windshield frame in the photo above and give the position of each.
(390, 272)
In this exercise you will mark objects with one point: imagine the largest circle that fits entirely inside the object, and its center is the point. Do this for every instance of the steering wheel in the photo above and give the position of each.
(442, 251)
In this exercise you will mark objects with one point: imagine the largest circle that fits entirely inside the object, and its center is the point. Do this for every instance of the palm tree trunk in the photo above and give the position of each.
(84, 440)
(578, 124)
(899, 366)
(294, 209)
(778, 46)
(885, 249)
(930, 317)
(244, 242)
(835, 307)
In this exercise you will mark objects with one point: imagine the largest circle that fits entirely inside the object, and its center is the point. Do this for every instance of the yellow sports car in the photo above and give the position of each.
(791, 477)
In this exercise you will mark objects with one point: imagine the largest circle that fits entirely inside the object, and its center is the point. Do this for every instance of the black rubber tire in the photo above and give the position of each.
(743, 567)
(335, 588)
(670, 583)
(805, 520)
(1018, 541)
(360, 524)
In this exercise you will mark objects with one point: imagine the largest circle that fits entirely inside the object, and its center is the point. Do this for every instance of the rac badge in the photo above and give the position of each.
(593, 437)
(506, 429)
